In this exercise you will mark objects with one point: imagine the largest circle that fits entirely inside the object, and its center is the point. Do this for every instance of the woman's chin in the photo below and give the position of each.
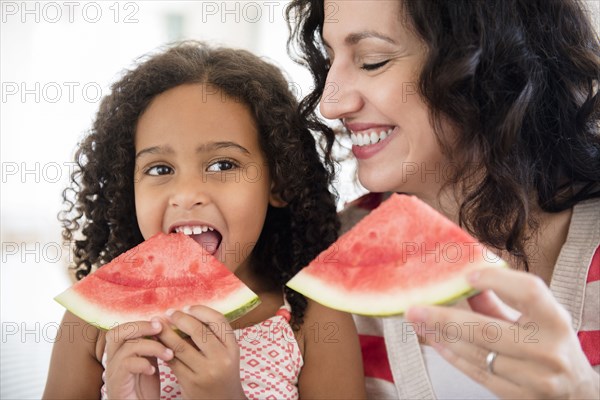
(405, 177)
(378, 182)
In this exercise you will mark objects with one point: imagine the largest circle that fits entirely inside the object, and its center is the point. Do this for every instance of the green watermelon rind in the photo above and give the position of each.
(245, 308)
(234, 306)
(388, 304)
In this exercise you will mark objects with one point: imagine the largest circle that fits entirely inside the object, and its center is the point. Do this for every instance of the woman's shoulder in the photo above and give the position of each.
(586, 216)
(582, 238)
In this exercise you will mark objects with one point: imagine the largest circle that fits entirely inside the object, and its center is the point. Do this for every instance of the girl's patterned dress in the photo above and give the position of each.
(270, 361)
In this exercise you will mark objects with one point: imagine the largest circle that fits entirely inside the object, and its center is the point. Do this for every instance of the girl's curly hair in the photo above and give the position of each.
(100, 200)
(520, 80)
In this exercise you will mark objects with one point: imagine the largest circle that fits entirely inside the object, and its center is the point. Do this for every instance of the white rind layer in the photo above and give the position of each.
(379, 304)
(234, 306)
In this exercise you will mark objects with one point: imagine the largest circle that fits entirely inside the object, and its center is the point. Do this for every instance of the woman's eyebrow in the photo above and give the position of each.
(353, 38)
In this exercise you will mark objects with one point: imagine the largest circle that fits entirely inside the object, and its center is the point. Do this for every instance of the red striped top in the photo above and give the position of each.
(375, 358)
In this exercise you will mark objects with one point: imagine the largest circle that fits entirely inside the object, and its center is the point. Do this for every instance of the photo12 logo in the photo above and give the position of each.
(242, 11)
(37, 252)
(52, 12)
(51, 92)
(36, 172)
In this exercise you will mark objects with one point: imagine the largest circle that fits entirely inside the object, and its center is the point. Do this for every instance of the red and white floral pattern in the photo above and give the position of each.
(270, 362)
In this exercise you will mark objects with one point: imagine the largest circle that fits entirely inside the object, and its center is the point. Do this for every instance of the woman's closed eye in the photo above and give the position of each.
(374, 66)
(158, 170)
(222, 165)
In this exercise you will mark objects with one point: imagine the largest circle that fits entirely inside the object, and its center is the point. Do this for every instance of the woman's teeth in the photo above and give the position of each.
(369, 137)
(193, 230)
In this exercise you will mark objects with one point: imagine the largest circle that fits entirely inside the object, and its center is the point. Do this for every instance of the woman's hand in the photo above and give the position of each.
(538, 353)
(209, 366)
(131, 370)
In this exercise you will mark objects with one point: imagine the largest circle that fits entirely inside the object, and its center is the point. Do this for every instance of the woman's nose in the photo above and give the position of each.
(341, 96)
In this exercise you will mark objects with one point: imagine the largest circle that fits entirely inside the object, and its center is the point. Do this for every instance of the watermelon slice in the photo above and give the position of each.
(403, 253)
(165, 271)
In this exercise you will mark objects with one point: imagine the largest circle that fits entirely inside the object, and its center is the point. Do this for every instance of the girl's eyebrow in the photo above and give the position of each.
(155, 150)
(204, 148)
(211, 146)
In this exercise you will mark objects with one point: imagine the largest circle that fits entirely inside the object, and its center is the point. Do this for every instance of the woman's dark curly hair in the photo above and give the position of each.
(519, 78)
(100, 201)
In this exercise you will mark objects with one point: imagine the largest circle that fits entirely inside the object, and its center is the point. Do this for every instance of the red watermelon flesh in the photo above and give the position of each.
(403, 253)
(164, 272)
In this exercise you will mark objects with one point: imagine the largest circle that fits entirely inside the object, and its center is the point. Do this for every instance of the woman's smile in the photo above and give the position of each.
(367, 143)
(374, 67)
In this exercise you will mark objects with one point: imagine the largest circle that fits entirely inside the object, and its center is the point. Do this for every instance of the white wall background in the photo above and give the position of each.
(56, 60)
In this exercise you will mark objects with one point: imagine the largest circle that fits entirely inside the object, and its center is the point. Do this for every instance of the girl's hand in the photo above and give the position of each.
(131, 371)
(211, 368)
(538, 353)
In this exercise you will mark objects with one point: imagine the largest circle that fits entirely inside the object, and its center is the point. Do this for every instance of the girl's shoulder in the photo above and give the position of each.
(331, 353)
(89, 337)
(324, 326)
(75, 365)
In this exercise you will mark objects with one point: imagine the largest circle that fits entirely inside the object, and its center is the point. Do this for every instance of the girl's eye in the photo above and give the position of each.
(373, 67)
(221, 165)
(158, 170)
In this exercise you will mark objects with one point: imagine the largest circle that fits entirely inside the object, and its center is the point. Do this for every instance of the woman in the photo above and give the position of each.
(489, 112)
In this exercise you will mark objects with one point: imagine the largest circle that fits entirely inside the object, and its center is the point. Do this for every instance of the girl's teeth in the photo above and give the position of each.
(193, 230)
(368, 138)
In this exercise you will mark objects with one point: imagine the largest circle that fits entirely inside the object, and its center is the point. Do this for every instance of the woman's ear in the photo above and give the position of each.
(275, 198)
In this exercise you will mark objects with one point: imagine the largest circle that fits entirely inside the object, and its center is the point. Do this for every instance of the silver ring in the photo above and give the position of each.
(489, 361)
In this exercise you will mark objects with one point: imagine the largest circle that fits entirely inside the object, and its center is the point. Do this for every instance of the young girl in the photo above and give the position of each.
(490, 112)
(206, 141)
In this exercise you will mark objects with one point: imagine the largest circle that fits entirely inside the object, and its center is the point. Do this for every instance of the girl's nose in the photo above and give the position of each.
(341, 96)
(189, 193)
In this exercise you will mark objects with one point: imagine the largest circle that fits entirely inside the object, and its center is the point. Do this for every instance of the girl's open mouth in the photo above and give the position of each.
(207, 236)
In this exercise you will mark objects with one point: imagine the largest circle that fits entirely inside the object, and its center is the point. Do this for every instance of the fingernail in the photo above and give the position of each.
(152, 370)
(473, 277)
(155, 323)
(416, 314)
(168, 354)
(170, 312)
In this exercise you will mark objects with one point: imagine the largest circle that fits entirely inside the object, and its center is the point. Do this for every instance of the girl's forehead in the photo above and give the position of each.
(194, 114)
